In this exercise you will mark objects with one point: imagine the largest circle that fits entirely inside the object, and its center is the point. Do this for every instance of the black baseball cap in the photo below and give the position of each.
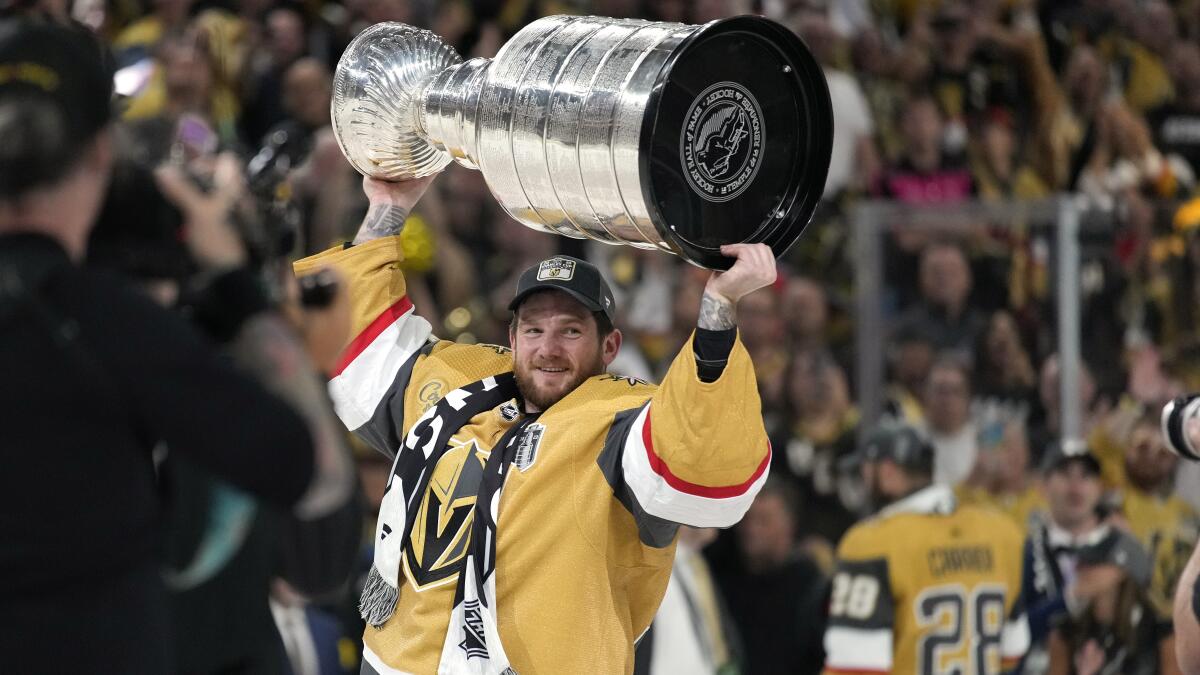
(899, 442)
(65, 64)
(578, 278)
(1060, 455)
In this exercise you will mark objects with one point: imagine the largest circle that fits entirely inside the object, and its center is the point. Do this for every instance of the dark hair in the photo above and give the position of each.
(604, 325)
(1130, 595)
(35, 150)
(920, 477)
(787, 493)
(138, 230)
(949, 360)
(919, 95)
(944, 243)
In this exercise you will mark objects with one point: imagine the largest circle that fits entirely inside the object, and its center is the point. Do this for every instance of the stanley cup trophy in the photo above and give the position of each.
(654, 135)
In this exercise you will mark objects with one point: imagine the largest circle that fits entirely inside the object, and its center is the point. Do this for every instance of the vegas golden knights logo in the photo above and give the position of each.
(441, 531)
(556, 268)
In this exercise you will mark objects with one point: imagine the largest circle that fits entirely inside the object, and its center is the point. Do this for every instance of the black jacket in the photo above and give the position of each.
(94, 376)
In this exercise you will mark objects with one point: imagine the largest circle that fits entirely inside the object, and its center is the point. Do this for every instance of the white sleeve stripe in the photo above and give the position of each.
(1014, 641)
(858, 649)
(659, 499)
(362, 384)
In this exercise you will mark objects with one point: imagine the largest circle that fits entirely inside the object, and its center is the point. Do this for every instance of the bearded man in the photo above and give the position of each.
(530, 520)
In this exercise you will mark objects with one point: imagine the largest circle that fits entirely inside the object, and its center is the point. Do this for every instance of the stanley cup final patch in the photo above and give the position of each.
(556, 269)
(527, 446)
(721, 144)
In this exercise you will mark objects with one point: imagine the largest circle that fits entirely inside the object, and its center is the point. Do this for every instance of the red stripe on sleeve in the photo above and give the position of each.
(386, 318)
(724, 492)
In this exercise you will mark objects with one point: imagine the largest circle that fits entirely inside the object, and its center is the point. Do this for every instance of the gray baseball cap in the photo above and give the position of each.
(1121, 549)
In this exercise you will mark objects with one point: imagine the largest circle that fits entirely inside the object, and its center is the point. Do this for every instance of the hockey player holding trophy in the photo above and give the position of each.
(530, 519)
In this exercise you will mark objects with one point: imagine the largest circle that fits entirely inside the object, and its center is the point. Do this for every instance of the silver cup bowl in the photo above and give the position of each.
(646, 134)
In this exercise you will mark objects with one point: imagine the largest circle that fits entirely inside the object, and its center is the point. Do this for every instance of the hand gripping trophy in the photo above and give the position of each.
(654, 135)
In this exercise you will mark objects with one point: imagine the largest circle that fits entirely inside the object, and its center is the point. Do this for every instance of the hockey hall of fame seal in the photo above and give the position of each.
(720, 145)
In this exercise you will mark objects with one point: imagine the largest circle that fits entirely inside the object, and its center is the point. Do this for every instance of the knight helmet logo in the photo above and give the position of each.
(441, 531)
(721, 143)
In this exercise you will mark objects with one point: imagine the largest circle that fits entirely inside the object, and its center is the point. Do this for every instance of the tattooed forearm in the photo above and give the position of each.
(716, 313)
(382, 220)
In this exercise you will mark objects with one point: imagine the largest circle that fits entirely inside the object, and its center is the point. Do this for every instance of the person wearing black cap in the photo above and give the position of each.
(910, 582)
(531, 514)
(1053, 584)
(97, 375)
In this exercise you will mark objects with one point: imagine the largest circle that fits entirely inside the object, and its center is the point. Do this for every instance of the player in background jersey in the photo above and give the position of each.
(925, 586)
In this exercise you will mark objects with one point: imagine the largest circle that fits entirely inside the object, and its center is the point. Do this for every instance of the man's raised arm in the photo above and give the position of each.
(697, 452)
(390, 204)
(386, 336)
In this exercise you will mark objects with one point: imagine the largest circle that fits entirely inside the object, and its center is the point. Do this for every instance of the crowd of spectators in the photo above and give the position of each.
(937, 102)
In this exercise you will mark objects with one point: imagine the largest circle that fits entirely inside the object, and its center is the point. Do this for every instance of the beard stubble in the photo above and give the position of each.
(542, 398)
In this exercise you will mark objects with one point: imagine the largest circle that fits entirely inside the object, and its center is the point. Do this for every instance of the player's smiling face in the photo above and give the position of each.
(556, 346)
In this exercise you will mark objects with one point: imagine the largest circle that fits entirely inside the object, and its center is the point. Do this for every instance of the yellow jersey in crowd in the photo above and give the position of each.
(1019, 507)
(1167, 528)
(928, 586)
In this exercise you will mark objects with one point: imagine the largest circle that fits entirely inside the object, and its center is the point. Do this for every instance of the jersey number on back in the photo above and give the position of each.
(948, 617)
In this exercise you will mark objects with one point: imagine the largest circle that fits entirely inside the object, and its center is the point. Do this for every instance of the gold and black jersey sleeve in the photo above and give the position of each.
(696, 453)
(394, 368)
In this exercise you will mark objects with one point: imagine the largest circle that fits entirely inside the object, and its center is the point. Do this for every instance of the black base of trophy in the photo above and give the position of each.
(736, 140)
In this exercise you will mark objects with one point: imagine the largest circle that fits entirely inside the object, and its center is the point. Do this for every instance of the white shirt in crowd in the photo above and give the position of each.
(687, 632)
(852, 122)
(954, 455)
(298, 643)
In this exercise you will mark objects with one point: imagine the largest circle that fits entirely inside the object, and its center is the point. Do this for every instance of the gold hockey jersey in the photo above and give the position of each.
(588, 514)
(926, 587)
(1167, 528)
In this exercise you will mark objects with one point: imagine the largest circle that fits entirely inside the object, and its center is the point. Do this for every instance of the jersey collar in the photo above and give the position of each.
(1057, 537)
(937, 499)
